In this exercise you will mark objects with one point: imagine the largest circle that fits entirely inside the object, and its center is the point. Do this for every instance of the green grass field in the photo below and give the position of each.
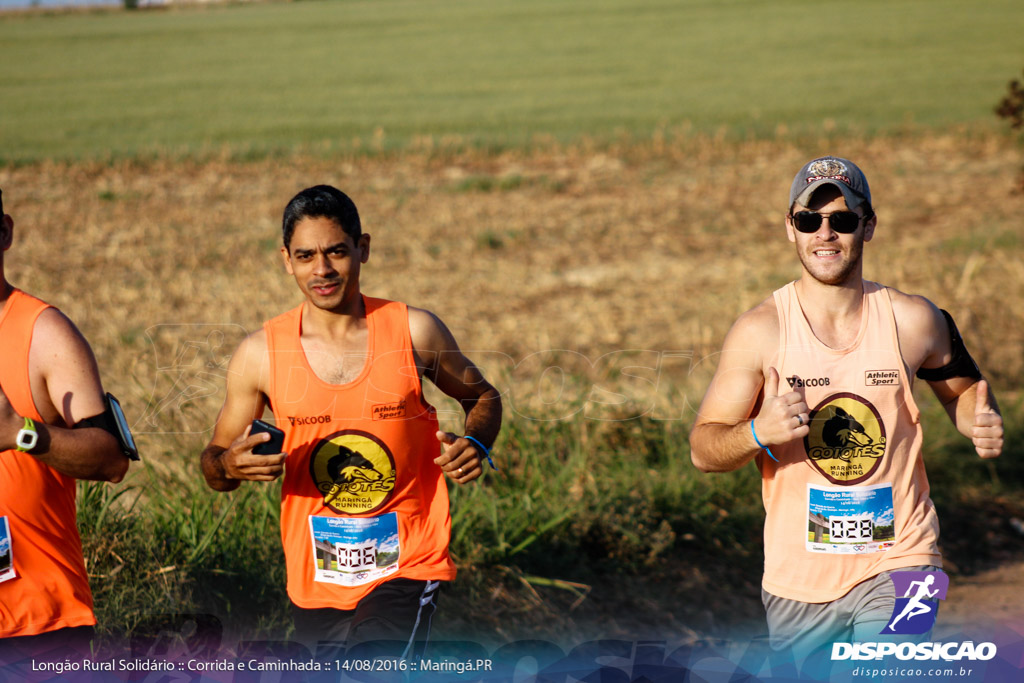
(326, 75)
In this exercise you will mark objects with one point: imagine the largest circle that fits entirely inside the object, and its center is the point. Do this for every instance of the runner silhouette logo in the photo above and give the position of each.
(917, 601)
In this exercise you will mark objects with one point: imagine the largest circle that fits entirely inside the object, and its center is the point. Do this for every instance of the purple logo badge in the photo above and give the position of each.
(917, 601)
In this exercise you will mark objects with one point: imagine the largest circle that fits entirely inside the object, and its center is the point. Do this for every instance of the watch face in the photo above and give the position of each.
(27, 439)
(122, 427)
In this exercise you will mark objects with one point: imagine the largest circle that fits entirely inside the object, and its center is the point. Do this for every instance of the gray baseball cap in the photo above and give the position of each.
(842, 173)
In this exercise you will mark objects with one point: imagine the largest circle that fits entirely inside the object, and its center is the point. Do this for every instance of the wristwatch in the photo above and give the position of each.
(27, 436)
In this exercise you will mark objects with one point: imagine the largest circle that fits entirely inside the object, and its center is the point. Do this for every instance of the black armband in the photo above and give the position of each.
(962, 365)
(112, 421)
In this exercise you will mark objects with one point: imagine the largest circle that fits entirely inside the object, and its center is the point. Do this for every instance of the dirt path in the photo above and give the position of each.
(993, 596)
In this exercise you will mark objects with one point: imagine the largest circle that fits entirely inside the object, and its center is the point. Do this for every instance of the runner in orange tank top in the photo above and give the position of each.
(49, 382)
(814, 385)
(364, 510)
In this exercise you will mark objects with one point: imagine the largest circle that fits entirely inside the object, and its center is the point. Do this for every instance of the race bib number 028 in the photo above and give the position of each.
(351, 551)
(850, 520)
(858, 529)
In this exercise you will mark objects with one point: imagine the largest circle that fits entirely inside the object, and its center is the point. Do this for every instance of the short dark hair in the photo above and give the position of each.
(321, 201)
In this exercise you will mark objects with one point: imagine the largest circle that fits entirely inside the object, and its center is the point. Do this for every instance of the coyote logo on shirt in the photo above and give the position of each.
(349, 467)
(847, 438)
(842, 431)
(354, 471)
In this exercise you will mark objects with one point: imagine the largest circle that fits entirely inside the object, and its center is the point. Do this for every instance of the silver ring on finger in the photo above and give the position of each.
(800, 419)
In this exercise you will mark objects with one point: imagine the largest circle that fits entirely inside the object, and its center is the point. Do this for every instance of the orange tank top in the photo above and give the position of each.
(850, 500)
(362, 500)
(48, 588)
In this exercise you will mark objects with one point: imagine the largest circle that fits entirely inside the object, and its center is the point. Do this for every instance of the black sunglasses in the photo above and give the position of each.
(841, 221)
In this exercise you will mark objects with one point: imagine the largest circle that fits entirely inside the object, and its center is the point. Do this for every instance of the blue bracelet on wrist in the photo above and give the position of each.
(485, 449)
(758, 442)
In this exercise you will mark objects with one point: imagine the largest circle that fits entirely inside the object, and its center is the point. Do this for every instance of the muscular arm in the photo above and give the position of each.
(925, 343)
(441, 360)
(228, 459)
(721, 440)
(66, 389)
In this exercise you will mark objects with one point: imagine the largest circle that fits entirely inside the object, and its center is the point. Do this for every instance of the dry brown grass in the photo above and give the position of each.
(655, 245)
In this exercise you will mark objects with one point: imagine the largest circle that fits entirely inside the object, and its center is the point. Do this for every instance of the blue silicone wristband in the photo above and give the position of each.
(486, 450)
(758, 442)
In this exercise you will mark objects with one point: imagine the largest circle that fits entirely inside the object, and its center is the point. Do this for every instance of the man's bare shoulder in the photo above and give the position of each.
(747, 352)
(922, 330)
(758, 325)
(54, 332)
(421, 317)
(63, 370)
(251, 360)
(254, 340)
(254, 345)
(427, 331)
(59, 351)
(915, 314)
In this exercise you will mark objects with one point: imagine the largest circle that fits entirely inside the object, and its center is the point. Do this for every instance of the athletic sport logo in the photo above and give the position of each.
(875, 378)
(916, 610)
(354, 471)
(847, 438)
(389, 411)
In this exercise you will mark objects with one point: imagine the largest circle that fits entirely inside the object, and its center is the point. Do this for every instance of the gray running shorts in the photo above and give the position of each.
(858, 616)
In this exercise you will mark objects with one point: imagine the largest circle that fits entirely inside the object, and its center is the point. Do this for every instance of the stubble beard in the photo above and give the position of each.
(839, 277)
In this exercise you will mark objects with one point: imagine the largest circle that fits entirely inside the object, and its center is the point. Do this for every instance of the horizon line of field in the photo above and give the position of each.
(666, 138)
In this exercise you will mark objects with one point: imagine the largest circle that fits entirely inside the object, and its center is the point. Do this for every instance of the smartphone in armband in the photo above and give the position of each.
(272, 447)
(113, 421)
(123, 433)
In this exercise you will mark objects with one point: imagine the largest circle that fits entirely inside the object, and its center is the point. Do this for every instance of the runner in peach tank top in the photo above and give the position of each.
(850, 499)
(814, 385)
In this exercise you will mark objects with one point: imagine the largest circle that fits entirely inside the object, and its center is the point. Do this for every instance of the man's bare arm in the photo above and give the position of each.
(66, 389)
(228, 459)
(721, 440)
(454, 374)
(969, 402)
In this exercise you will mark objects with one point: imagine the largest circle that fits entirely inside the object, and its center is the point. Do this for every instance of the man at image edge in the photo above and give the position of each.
(815, 385)
(52, 406)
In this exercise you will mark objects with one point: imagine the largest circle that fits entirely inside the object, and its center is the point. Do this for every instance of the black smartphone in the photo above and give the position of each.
(124, 434)
(272, 447)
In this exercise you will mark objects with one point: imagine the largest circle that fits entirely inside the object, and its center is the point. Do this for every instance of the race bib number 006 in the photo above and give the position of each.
(352, 551)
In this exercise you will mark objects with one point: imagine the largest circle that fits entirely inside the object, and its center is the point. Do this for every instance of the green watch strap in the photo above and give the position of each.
(27, 436)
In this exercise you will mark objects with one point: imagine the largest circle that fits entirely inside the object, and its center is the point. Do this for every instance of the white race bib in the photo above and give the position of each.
(6, 553)
(351, 551)
(851, 519)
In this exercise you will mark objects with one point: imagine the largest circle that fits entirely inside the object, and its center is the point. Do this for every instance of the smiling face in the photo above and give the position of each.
(325, 262)
(829, 257)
